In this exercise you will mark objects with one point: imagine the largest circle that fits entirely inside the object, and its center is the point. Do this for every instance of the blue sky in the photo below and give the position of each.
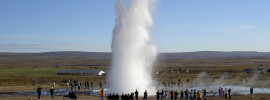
(179, 25)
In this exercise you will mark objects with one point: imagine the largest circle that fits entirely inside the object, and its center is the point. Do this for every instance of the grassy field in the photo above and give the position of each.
(231, 70)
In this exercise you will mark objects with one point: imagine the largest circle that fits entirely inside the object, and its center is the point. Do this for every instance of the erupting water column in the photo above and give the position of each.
(133, 51)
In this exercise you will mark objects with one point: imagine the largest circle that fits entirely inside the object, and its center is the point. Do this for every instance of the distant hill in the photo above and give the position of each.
(181, 55)
(214, 54)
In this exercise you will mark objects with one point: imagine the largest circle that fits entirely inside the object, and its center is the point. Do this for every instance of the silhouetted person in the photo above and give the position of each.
(171, 93)
(132, 96)
(194, 94)
(100, 84)
(161, 94)
(122, 96)
(229, 93)
(225, 93)
(52, 92)
(175, 95)
(39, 91)
(182, 95)
(136, 94)
(219, 92)
(71, 95)
(92, 85)
(145, 95)
(87, 84)
(251, 92)
(71, 86)
(204, 94)
(186, 94)
(109, 96)
(117, 96)
(158, 95)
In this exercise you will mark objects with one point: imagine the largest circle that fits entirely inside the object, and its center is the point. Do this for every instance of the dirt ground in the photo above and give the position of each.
(84, 97)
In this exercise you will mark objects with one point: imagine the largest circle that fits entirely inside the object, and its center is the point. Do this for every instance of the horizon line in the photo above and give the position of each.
(158, 52)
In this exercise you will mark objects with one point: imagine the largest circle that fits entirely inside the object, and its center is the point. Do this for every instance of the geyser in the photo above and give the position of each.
(133, 51)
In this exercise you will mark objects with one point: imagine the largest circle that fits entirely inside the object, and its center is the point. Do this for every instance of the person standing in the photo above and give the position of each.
(219, 92)
(54, 84)
(194, 94)
(222, 91)
(229, 93)
(182, 95)
(172, 94)
(204, 94)
(92, 86)
(251, 92)
(186, 94)
(52, 92)
(199, 95)
(78, 84)
(67, 85)
(71, 86)
(165, 95)
(39, 91)
(175, 95)
(100, 84)
(145, 95)
(225, 93)
(158, 95)
(102, 94)
(87, 84)
(191, 94)
(136, 94)
(161, 94)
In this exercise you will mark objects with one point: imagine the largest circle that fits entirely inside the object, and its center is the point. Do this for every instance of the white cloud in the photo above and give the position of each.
(247, 27)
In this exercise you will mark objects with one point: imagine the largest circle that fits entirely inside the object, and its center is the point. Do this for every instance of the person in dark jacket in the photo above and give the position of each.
(158, 95)
(229, 93)
(182, 95)
(175, 95)
(39, 91)
(52, 92)
(161, 94)
(251, 93)
(145, 95)
(172, 94)
(136, 94)
(204, 94)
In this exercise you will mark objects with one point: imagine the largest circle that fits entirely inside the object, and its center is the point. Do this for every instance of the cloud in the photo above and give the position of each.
(240, 29)
(246, 27)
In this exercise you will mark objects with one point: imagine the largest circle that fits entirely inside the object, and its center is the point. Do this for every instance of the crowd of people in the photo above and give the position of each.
(77, 85)
(163, 95)
(226, 93)
(187, 94)
(130, 96)
(71, 86)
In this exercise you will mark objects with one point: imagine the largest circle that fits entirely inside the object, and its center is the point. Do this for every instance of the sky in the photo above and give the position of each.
(179, 25)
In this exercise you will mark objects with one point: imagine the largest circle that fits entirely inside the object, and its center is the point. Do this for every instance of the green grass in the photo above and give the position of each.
(32, 70)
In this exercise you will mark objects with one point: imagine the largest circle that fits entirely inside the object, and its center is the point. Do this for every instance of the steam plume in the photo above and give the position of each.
(133, 51)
